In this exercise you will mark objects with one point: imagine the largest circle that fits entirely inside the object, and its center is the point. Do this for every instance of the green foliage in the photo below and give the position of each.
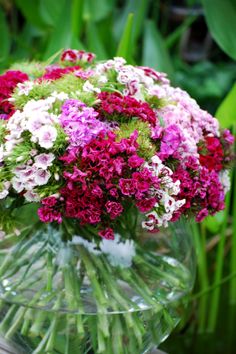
(2, 131)
(60, 144)
(221, 19)
(155, 53)
(37, 92)
(33, 69)
(226, 113)
(5, 39)
(125, 45)
(19, 155)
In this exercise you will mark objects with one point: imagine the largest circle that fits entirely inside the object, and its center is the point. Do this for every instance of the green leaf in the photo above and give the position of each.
(221, 20)
(139, 8)
(226, 113)
(30, 10)
(97, 10)
(94, 42)
(213, 223)
(62, 36)
(174, 36)
(155, 53)
(106, 35)
(125, 46)
(50, 11)
(77, 16)
(5, 38)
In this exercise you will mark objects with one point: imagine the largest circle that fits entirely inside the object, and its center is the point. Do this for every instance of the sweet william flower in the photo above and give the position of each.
(41, 177)
(49, 201)
(146, 205)
(201, 215)
(228, 136)
(46, 136)
(88, 146)
(47, 214)
(108, 234)
(135, 161)
(127, 186)
(114, 209)
(43, 160)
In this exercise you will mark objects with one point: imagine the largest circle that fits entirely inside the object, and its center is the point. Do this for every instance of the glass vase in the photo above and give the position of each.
(76, 295)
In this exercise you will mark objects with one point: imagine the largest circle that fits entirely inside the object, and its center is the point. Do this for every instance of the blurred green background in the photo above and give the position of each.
(194, 42)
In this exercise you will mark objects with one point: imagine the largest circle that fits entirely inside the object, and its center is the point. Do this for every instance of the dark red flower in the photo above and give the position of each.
(8, 82)
(118, 105)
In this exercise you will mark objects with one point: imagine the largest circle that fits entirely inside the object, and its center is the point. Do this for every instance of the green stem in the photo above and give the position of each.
(200, 245)
(50, 271)
(212, 287)
(92, 275)
(54, 325)
(7, 318)
(215, 298)
(18, 319)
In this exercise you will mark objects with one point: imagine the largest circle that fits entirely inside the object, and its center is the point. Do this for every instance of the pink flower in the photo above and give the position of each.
(127, 186)
(135, 161)
(73, 56)
(146, 204)
(114, 193)
(49, 201)
(229, 138)
(47, 214)
(201, 215)
(97, 191)
(114, 209)
(170, 141)
(108, 234)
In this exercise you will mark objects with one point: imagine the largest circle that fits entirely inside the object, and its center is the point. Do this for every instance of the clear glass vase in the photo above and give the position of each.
(84, 296)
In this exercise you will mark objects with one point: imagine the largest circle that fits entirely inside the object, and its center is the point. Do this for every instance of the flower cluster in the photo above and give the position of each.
(8, 82)
(92, 142)
(54, 72)
(73, 56)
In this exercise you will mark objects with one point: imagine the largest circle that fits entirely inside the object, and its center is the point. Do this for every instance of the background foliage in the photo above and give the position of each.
(194, 42)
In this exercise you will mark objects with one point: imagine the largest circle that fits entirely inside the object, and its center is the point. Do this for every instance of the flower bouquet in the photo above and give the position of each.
(102, 164)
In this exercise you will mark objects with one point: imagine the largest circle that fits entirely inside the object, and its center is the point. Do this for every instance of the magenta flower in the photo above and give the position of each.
(114, 209)
(108, 234)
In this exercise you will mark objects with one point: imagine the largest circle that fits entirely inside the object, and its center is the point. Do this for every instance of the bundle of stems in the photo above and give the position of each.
(58, 297)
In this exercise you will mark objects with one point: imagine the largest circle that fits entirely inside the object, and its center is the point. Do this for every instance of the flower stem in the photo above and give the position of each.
(215, 297)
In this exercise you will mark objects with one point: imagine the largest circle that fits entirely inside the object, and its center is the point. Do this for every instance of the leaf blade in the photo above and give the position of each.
(226, 112)
(155, 53)
(221, 20)
(125, 45)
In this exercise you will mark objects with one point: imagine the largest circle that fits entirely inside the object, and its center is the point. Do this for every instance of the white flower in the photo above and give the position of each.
(60, 96)
(4, 192)
(225, 180)
(46, 136)
(102, 79)
(41, 177)
(35, 123)
(44, 160)
(25, 88)
(88, 87)
(17, 185)
(31, 196)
